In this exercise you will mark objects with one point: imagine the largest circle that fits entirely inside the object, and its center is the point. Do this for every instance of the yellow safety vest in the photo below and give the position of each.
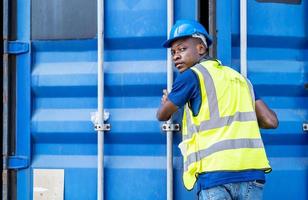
(225, 135)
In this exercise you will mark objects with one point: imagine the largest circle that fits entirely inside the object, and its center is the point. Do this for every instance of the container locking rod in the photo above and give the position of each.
(169, 134)
(170, 127)
(100, 99)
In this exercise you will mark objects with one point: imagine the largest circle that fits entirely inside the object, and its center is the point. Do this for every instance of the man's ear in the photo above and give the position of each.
(201, 49)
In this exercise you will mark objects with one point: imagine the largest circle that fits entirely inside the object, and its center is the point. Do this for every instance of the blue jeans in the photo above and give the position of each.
(251, 190)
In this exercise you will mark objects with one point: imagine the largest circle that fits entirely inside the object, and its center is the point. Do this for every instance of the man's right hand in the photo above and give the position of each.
(167, 108)
(164, 97)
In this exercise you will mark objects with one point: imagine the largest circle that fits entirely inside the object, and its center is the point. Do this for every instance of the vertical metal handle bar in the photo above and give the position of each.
(243, 36)
(5, 104)
(169, 87)
(212, 27)
(5, 129)
(100, 99)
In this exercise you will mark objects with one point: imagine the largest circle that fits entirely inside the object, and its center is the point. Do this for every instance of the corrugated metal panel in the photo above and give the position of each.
(56, 91)
(63, 84)
(278, 68)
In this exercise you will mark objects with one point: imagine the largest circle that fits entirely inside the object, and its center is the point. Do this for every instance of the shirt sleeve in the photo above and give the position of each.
(184, 88)
(257, 97)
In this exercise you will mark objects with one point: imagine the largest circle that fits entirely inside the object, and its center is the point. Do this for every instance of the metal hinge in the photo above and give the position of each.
(15, 47)
(100, 126)
(104, 127)
(17, 162)
(170, 127)
(305, 126)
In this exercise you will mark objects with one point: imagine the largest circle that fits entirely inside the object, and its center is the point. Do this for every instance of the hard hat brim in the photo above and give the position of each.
(167, 43)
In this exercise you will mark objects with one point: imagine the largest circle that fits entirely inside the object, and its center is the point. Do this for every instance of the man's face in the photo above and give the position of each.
(186, 53)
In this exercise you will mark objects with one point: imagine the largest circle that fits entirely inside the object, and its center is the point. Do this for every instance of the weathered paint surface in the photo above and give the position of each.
(56, 91)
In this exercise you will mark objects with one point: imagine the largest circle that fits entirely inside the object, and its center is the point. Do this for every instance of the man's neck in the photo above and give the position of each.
(205, 57)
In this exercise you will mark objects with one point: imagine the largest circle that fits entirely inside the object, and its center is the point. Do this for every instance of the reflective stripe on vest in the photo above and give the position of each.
(221, 146)
(215, 120)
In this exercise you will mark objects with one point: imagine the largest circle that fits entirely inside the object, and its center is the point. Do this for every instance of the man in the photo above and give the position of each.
(221, 145)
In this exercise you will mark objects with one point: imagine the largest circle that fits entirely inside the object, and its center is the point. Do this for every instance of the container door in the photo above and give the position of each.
(57, 92)
(278, 68)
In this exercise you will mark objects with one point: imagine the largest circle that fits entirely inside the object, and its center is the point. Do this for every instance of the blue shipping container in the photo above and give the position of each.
(56, 92)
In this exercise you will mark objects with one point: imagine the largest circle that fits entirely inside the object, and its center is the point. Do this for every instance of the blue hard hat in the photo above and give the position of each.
(184, 28)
